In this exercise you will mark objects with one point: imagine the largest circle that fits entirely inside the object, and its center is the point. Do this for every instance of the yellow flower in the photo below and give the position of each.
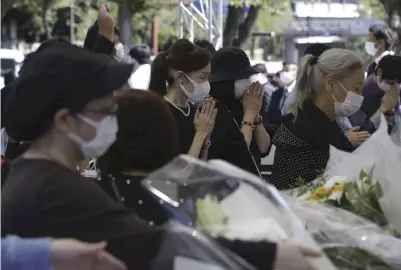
(338, 187)
(321, 191)
(319, 194)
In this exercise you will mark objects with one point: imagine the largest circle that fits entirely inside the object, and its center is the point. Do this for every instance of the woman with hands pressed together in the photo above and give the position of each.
(181, 76)
(241, 101)
(251, 123)
(357, 137)
(328, 87)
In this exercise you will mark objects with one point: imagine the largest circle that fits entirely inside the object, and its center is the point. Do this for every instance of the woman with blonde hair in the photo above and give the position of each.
(327, 87)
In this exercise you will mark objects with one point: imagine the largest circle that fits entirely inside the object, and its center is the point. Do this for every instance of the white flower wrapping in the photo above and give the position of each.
(380, 153)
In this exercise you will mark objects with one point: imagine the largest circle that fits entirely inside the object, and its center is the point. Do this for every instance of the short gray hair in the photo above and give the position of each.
(310, 79)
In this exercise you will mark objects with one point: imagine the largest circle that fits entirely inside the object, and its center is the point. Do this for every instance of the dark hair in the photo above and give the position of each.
(383, 32)
(261, 68)
(288, 62)
(316, 49)
(183, 56)
(141, 53)
(390, 66)
(142, 143)
(169, 43)
(206, 44)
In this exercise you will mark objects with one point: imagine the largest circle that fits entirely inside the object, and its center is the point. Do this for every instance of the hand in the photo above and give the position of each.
(389, 100)
(71, 254)
(105, 22)
(357, 137)
(205, 118)
(292, 257)
(252, 101)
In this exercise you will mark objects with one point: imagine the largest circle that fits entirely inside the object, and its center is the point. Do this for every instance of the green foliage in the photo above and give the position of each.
(347, 257)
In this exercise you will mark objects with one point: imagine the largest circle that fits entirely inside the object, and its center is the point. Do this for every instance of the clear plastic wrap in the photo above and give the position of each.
(184, 248)
(380, 155)
(334, 227)
(222, 200)
(396, 131)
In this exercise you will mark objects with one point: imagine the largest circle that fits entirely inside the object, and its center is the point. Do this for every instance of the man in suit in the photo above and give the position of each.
(381, 93)
(380, 42)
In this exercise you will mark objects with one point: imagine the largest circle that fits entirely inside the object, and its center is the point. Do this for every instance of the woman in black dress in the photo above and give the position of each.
(327, 87)
(180, 75)
(241, 99)
(140, 148)
(146, 141)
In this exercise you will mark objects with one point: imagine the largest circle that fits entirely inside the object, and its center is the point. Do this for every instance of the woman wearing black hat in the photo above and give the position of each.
(231, 85)
(180, 75)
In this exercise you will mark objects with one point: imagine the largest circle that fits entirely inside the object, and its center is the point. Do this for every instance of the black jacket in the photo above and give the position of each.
(302, 147)
(372, 101)
(228, 143)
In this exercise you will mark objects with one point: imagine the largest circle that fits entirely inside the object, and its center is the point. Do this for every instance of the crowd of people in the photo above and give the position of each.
(70, 105)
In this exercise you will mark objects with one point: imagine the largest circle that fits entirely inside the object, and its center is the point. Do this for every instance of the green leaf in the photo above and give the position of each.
(348, 257)
(364, 201)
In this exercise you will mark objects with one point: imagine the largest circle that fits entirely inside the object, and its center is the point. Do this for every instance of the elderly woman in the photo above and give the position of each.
(327, 87)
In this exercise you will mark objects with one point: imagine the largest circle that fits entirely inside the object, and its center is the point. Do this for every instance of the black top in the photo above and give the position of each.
(42, 199)
(303, 147)
(185, 124)
(128, 190)
(371, 68)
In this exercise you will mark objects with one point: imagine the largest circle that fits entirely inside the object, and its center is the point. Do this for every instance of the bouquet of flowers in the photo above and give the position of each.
(381, 157)
(357, 187)
(350, 241)
(221, 200)
(360, 196)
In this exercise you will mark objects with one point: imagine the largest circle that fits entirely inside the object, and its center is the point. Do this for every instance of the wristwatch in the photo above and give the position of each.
(258, 120)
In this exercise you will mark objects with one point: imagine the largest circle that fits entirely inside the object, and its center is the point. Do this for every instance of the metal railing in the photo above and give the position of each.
(207, 15)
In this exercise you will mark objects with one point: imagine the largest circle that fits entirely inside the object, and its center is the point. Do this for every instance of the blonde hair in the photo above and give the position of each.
(310, 78)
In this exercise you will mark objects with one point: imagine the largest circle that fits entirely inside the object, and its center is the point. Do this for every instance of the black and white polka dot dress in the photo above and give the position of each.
(302, 147)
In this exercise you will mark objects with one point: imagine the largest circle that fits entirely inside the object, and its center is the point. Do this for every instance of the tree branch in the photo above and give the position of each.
(245, 28)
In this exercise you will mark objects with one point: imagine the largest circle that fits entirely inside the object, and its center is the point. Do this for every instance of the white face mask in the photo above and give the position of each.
(201, 90)
(106, 134)
(370, 48)
(387, 87)
(241, 86)
(260, 78)
(286, 77)
(120, 53)
(349, 106)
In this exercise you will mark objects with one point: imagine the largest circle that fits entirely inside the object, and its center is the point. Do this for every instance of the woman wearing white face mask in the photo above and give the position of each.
(381, 93)
(180, 75)
(231, 85)
(328, 86)
(380, 42)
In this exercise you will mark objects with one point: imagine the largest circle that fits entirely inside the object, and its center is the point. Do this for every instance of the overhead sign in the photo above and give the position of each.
(330, 26)
(328, 9)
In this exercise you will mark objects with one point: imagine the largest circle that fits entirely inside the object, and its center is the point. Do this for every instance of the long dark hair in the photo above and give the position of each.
(142, 142)
(183, 56)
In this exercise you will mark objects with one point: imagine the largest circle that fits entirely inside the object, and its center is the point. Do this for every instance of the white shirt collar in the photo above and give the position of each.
(291, 86)
(377, 60)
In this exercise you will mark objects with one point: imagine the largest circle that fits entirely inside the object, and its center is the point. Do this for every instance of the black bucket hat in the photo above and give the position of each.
(230, 64)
